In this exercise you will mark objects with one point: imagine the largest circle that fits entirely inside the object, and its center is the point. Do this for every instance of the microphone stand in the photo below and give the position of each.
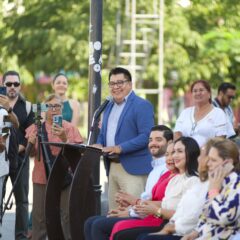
(96, 170)
(6, 205)
(95, 119)
(42, 147)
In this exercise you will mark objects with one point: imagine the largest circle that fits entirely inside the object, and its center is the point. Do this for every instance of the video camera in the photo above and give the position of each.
(5, 125)
(40, 107)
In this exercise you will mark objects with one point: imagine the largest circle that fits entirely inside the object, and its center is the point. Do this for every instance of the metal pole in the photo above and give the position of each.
(94, 90)
(95, 58)
(133, 44)
(161, 62)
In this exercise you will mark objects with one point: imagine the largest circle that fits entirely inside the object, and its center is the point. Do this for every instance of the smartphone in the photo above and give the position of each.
(7, 121)
(57, 119)
(3, 90)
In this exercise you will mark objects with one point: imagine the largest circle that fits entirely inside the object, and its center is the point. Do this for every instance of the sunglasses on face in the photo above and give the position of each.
(15, 84)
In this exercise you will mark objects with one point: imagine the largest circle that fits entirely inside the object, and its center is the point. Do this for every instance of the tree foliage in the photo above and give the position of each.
(201, 41)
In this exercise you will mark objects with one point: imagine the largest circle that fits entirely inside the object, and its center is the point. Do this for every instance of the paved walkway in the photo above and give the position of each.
(7, 228)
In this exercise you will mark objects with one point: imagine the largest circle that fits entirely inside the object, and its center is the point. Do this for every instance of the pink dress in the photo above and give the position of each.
(158, 193)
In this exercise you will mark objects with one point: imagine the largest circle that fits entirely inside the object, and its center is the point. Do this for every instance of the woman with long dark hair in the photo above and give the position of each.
(190, 207)
(185, 155)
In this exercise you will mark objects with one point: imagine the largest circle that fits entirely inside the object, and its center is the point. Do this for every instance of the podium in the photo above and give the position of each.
(83, 194)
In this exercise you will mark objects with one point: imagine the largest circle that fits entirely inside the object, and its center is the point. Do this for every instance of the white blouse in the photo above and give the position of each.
(176, 187)
(189, 208)
(214, 124)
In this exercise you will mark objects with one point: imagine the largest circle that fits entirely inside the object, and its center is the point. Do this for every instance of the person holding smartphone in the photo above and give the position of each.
(4, 103)
(54, 133)
(16, 104)
(220, 218)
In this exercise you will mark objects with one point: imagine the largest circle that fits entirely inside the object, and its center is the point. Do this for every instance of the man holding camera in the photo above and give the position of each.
(17, 104)
(6, 123)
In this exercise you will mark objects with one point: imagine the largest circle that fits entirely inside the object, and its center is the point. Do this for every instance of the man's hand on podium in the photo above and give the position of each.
(97, 146)
(112, 150)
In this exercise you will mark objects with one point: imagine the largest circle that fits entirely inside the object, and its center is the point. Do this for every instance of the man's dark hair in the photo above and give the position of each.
(119, 70)
(167, 132)
(223, 87)
(10, 73)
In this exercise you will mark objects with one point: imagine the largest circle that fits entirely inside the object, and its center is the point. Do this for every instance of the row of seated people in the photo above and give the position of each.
(197, 197)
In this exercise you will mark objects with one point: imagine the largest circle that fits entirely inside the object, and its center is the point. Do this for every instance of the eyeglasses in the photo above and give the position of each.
(200, 90)
(118, 83)
(15, 84)
(54, 107)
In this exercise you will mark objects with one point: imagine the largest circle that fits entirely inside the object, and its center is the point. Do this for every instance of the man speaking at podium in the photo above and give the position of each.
(124, 135)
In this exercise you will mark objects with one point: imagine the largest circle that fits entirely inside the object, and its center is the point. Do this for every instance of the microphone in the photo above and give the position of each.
(96, 115)
(101, 108)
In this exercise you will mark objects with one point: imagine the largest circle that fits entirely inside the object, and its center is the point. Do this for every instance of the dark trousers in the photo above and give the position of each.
(133, 233)
(21, 199)
(99, 227)
(146, 236)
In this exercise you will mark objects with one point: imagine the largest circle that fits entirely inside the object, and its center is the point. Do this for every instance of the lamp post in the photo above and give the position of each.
(160, 62)
(94, 90)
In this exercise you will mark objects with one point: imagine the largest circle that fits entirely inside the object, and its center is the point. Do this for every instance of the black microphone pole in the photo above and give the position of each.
(6, 205)
(42, 147)
(96, 116)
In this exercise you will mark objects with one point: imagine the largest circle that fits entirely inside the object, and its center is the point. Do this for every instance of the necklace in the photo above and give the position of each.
(194, 125)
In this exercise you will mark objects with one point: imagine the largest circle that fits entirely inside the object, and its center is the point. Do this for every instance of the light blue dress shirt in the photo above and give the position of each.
(113, 121)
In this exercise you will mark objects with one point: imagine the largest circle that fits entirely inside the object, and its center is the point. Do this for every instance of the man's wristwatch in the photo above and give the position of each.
(158, 214)
(10, 110)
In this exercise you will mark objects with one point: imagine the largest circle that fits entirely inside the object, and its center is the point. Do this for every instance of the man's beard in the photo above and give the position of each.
(12, 95)
(159, 153)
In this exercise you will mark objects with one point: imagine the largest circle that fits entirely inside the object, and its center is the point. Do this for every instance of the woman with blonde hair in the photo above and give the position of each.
(220, 218)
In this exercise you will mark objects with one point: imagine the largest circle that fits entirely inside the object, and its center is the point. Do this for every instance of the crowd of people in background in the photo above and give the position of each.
(180, 183)
(169, 211)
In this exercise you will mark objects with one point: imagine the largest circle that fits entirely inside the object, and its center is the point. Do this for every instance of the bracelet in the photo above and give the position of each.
(137, 201)
(158, 214)
(213, 192)
(129, 212)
